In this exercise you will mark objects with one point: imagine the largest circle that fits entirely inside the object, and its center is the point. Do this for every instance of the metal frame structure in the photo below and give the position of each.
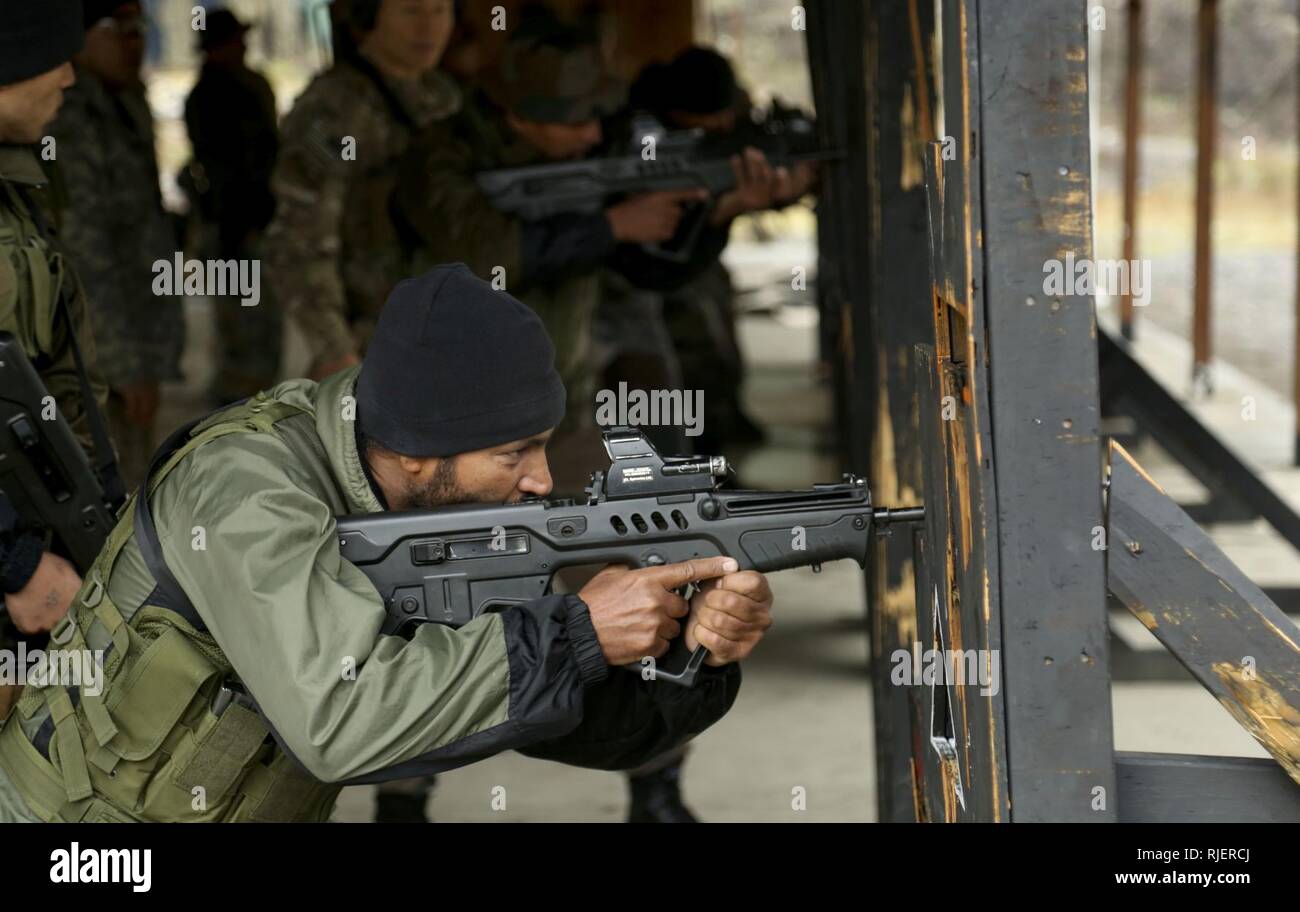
(961, 379)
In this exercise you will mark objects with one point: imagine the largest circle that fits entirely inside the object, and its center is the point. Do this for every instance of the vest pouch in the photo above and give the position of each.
(280, 791)
(150, 699)
(225, 749)
(152, 693)
(8, 289)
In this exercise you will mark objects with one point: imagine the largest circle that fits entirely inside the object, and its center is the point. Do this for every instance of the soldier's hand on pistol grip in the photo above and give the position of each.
(650, 218)
(635, 612)
(729, 615)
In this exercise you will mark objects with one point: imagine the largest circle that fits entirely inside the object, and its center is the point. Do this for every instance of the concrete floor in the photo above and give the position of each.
(803, 718)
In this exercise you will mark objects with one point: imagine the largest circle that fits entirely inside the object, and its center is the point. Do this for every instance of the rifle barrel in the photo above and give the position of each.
(883, 516)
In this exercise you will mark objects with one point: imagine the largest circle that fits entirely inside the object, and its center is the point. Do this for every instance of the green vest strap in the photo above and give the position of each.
(72, 755)
(258, 414)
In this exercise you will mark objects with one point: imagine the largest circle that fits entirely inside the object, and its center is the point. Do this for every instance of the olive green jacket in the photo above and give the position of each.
(247, 527)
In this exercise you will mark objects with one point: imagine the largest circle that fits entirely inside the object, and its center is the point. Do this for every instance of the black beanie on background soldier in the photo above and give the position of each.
(37, 36)
(455, 366)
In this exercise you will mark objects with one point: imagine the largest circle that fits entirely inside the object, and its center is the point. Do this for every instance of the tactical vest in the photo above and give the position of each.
(40, 310)
(171, 737)
(45, 267)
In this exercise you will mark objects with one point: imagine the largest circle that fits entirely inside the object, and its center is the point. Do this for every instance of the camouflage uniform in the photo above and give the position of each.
(32, 271)
(456, 223)
(332, 251)
(33, 274)
(115, 229)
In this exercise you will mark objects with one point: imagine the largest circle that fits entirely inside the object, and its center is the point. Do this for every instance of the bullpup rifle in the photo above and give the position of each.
(452, 565)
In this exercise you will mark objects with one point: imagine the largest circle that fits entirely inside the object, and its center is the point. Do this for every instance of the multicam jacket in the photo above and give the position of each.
(332, 251)
(115, 229)
(550, 265)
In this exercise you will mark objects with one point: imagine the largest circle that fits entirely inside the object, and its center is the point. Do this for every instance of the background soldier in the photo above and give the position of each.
(542, 102)
(115, 226)
(697, 90)
(231, 119)
(332, 251)
(41, 301)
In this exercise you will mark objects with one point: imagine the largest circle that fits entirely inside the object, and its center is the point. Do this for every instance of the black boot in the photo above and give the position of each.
(657, 797)
(395, 807)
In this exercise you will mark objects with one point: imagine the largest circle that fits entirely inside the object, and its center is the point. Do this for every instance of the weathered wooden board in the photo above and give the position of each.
(1204, 610)
(1187, 788)
(1042, 382)
(959, 741)
(871, 66)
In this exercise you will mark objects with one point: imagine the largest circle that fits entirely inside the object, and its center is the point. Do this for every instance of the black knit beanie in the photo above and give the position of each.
(698, 80)
(36, 36)
(454, 366)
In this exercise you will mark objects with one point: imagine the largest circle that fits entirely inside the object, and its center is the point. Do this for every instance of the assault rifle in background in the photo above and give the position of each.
(658, 159)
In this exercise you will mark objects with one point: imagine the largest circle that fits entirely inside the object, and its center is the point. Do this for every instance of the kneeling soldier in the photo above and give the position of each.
(238, 600)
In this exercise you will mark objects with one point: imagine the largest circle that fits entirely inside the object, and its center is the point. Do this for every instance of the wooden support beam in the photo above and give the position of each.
(1009, 411)
(1206, 116)
(870, 65)
(1295, 350)
(1043, 410)
(1188, 788)
(1132, 129)
(1219, 624)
